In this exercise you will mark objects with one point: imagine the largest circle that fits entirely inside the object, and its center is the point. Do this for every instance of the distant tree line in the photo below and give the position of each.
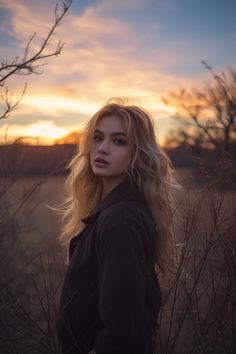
(29, 160)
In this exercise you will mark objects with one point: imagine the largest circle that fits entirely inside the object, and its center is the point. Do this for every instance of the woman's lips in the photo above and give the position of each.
(98, 162)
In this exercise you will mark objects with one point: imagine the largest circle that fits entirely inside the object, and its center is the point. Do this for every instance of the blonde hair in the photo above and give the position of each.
(150, 170)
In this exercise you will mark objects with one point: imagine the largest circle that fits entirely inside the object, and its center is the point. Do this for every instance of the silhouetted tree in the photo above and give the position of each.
(209, 115)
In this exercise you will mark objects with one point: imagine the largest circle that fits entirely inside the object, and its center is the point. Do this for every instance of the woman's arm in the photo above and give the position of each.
(122, 290)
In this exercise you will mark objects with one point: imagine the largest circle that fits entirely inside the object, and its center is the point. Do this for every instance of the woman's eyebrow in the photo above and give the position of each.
(113, 134)
(118, 133)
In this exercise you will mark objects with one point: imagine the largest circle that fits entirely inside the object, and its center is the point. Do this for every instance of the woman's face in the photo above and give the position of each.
(110, 155)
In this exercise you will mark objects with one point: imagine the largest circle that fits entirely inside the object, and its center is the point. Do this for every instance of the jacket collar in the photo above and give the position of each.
(126, 190)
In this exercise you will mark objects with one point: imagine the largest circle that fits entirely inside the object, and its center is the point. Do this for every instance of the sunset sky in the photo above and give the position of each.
(138, 49)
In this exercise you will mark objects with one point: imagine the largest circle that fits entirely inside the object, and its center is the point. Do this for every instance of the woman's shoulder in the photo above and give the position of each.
(129, 212)
(127, 222)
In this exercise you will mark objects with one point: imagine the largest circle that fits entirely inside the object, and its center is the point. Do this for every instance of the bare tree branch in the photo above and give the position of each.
(29, 64)
(212, 111)
(6, 97)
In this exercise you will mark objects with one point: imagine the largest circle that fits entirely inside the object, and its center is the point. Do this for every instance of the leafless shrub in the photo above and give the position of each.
(27, 318)
(198, 314)
(30, 267)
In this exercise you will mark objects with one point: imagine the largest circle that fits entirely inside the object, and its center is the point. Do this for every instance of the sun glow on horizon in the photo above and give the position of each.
(45, 132)
(48, 131)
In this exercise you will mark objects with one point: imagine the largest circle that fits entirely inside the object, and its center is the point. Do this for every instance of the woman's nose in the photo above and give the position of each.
(103, 147)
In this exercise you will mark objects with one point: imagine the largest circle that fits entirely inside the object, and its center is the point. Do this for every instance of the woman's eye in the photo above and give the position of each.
(119, 142)
(97, 138)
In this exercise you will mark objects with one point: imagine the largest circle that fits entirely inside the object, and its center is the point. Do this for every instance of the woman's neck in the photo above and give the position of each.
(109, 184)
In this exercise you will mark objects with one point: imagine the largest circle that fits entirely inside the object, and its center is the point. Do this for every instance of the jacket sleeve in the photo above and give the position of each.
(122, 290)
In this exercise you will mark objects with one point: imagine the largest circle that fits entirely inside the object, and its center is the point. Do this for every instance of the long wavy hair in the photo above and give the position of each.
(150, 170)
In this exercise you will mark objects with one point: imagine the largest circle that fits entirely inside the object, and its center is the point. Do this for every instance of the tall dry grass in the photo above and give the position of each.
(31, 262)
(199, 313)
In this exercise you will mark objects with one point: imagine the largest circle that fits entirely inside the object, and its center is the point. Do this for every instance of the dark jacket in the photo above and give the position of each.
(111, 296)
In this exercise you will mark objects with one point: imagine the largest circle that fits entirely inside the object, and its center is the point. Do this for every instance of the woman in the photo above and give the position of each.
(119, 206)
